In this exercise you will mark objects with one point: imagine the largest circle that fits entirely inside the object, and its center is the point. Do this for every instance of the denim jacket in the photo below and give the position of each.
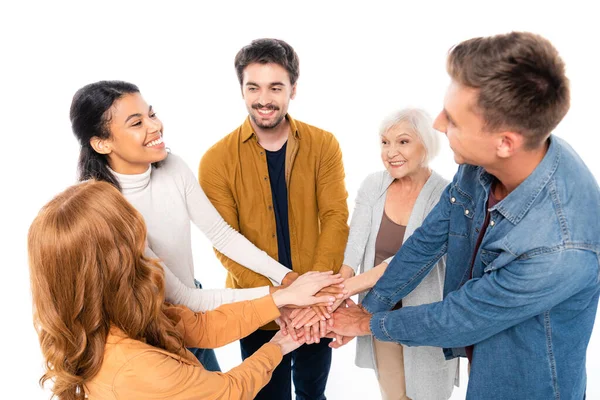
(530, 306)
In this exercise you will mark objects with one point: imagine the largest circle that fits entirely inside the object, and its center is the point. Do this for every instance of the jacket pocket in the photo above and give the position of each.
(461, 212)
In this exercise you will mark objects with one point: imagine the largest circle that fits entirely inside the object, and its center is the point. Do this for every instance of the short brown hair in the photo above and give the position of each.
(521, 81)
(265, 51)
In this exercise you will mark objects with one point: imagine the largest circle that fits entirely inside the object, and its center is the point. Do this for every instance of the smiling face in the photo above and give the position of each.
(402, 151)
(267, 92)
(135, 139)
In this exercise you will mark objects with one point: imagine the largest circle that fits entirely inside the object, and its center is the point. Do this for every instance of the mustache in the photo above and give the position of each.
(256, 106)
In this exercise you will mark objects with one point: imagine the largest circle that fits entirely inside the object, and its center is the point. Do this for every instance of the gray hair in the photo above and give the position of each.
(422, 126)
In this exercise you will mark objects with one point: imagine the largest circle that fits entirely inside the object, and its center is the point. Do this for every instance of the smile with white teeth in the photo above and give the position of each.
(397, 163)
(265, 112)
(155, 142)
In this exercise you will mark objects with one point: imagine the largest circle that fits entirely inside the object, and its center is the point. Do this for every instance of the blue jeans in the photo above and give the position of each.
(308, 365)
(207, 357)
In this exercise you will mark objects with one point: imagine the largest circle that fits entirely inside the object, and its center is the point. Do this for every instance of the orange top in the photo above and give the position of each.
(133, 369)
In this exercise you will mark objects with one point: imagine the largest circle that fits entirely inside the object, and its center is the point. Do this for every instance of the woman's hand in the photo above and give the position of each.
(302, 291)
(286, 343)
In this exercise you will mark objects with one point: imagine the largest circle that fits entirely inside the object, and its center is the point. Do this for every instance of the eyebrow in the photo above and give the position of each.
(137, 115)
(450, 118)
(270, 84)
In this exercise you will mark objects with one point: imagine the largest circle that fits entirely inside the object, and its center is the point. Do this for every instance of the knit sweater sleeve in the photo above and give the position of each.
(200, 300)
(223, 237)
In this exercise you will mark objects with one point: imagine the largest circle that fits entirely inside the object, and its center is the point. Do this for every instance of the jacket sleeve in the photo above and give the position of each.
(229, 322)
(333, 208)
(155, 375)
(216, 189)
(415, 259)
(360, 225)
(500, 299)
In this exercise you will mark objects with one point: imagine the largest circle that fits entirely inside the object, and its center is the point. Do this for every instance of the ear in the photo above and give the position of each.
(100, 146)
(293, 91)
(509, 143)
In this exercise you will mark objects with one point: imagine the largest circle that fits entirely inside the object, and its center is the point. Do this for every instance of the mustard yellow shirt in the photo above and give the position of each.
(234, 175)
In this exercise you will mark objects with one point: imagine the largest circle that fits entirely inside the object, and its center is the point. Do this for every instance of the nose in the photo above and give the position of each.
(154, 125)
(440, 123)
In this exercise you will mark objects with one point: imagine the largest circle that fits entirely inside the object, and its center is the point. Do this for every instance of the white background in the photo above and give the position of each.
(358, 62)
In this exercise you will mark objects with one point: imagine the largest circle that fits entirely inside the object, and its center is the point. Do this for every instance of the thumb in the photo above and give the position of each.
(350, 303)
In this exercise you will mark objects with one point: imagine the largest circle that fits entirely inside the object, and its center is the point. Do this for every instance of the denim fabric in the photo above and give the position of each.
(207, 357)
(530, 307)
(308, 366)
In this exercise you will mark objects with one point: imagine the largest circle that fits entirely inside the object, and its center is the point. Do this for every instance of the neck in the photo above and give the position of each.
(414, 182)
(511, 172)
(272, 139)
(126, 168)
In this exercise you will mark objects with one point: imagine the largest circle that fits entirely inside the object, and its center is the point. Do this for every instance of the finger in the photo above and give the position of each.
(350, 303)
(319, 312)
(315, 330)
(334, 290)
(295, 312)
(323, 326)
(303, 320)
(302, 317)
(313, 321)
(326, 300)
(293, 334)
(308, 335)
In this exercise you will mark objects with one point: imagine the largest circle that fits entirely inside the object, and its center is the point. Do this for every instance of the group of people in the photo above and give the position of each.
(499, 266)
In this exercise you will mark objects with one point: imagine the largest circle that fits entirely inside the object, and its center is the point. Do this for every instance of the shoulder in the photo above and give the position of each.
(374, 184)
(224, 146)
(314, 134)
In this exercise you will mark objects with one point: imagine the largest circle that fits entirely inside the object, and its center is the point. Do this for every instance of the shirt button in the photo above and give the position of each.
(270, 208)
(492, 223)
(261, 153)
(453, 200)
(466, 212)
(273, 235)
(265, 178)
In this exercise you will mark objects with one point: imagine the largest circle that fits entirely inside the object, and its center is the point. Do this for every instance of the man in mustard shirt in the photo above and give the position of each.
(280, 182)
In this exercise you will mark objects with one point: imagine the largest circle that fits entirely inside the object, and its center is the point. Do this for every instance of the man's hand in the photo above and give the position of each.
(338, 340)
(351, 320)
(289, 278)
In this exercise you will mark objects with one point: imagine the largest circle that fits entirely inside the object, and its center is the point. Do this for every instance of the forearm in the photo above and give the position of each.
(224, 325)
(364, 281)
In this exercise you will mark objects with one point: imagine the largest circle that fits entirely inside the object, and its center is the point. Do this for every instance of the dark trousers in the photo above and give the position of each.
(308, 365)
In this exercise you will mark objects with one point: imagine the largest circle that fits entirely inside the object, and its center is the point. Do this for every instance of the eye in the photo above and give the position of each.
(384, 142)
(404, 142)
(153, 115)
(276, 89)
(252, 89)
(137, 123)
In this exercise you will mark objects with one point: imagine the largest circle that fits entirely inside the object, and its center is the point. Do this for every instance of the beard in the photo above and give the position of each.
(265, 124)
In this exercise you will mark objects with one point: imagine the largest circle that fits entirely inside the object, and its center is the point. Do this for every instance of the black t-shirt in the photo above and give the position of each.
(276, 165)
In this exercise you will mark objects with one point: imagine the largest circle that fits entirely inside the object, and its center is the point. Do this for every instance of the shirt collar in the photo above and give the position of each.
(248, 131)
(514, 206)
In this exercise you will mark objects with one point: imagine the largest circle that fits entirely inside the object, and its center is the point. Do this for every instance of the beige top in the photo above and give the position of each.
(133, 369)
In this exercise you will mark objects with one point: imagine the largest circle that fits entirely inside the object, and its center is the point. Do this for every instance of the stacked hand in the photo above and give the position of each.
(313, 322)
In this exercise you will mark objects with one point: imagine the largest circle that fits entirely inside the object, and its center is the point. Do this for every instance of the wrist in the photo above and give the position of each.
(365, 325)
(279, 297)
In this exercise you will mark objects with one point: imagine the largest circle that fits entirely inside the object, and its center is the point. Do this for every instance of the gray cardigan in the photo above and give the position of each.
(428, 375)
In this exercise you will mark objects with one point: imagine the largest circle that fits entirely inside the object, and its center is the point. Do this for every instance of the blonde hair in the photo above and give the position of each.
(88, 272)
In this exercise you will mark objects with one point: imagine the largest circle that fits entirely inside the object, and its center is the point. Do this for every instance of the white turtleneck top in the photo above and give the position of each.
(169, 197)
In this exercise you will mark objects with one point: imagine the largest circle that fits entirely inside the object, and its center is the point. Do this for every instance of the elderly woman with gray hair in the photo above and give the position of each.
(390, 205)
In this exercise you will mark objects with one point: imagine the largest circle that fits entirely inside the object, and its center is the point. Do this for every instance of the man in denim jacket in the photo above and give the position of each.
(520, 224)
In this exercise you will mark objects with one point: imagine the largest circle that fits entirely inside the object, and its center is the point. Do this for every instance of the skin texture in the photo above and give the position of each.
(133, 125)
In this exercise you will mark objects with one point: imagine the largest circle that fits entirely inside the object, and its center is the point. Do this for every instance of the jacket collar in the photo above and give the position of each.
(514, 206)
